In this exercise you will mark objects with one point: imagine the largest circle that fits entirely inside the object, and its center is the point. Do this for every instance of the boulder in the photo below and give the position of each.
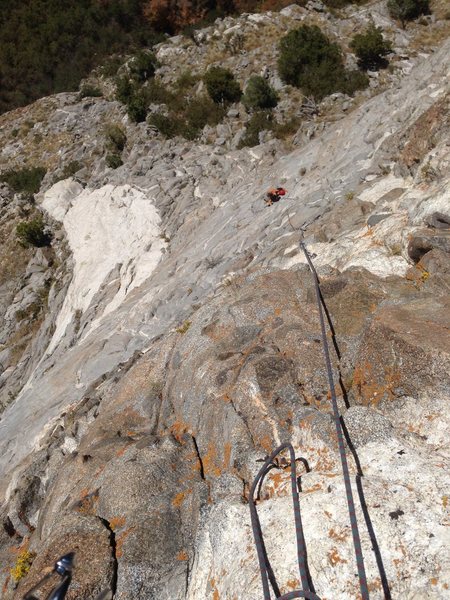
(424, 240)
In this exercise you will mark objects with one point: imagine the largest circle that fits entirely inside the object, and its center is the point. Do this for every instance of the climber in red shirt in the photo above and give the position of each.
(274, 195)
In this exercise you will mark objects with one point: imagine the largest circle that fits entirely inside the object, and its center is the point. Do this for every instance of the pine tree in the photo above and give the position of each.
(407, 10)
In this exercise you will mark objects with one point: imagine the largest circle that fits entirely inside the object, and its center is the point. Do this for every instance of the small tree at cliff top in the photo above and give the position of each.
(407, 10)
(259, 94)
(222, 86)
(33, 233)
(143, 66)
(309, 60)
(370, 48)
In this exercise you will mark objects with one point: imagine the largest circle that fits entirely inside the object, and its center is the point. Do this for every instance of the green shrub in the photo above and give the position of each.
(222, 86)
(261, 120)
(137, 107)
(201, 111)
(352, 81)
(184, 328)
(341, 3)
(133, 97)
(31, 312)
(143, 66)
(89, 91)
(370, 48)
(24, 180)
(336, 3)
(110, 67)
(116, 137)
(68, 171)
(186, 80)
(408, 10)
(124, 90)
(195, 114)
(259, 94)
(308, 60)
(287, 128)
(304, 50)
(71, 168)
(32, 233)
(168, 126)
(113, 161)
(157, 93)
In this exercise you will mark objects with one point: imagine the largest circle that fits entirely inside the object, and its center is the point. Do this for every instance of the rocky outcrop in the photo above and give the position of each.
(160, 462)
(184, 344)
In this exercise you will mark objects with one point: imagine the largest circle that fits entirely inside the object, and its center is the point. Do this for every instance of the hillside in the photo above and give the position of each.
(48, 46)
(165, 338)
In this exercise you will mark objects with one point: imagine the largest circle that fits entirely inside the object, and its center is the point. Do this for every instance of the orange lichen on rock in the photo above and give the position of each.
(293, 584)
(182, 555)
(374, 586)
(117, 523)
(339, 536)
(325, 462)
(266, 443)
(209, 460)
(315, 488)
(122, 450)
(227, 456)
(120, 540)
(215, 591)
(179, 498)
(371, 388)
(335, 558)
(87, 501)
(178, 430)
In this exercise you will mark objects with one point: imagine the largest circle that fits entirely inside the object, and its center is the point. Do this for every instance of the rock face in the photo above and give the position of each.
(161, 461)
(181, 344)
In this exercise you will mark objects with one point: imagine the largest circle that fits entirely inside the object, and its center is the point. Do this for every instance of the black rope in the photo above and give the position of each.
(267, 574)
(340, 437)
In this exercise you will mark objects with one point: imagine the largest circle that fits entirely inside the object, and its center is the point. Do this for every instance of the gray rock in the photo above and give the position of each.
(316, 5)
(438, 220)
(171, 391)
(293, 11)
(422, 241)
(377, 218)
(365, 425)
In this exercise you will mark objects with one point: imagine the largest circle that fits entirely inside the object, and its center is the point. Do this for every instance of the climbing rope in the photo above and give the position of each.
(340, 436)
(267, 574)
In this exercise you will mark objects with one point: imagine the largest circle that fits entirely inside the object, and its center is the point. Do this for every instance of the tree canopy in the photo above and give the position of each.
(310, 61)
(48, 46)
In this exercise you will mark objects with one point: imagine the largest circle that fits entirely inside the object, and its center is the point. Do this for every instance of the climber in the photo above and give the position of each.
(274, 195)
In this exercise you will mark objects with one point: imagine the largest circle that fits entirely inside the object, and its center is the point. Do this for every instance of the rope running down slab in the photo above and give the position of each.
(266, 571)
(340, 437)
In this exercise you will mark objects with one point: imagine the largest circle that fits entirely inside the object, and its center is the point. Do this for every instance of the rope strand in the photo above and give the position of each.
(340, 437)
(266, 571)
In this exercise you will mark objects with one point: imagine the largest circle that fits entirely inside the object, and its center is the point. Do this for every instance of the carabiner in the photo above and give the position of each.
(63, 567)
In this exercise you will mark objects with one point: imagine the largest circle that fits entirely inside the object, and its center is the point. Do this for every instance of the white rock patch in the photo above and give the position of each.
(108, 227)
